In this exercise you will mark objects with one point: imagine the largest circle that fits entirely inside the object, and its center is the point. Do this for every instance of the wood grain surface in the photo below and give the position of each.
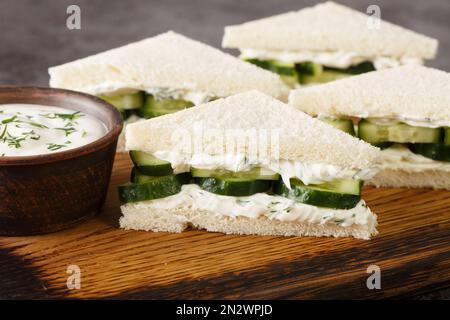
(412, 250)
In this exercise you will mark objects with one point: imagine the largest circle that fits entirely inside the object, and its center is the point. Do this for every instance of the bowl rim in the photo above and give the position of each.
(111, 135)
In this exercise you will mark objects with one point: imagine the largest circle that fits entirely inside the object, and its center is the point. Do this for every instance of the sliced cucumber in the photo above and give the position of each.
(285, 70)
(139, 177)
(447, 136)
(342, 194)
(325, 76)
(233, 186)
(148, 164)
(363, 67)
(256, 173)
(435, 151)
(128, 101)
(397, 132)
(158, 107)
(309, 68)
(282, 68)
(345, 125)
(309, 72)
(153, 188)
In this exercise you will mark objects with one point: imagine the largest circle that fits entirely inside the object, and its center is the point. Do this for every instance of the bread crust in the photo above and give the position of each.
(413, 92)
(168, 60)
(329, 27)
(139, 218)
(400, 178)
(301, 138)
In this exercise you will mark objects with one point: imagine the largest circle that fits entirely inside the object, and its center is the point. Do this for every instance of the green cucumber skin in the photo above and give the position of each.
(309, 72)
(435, 151)
(399, 132)
(154, 188)
(155, 108)
(447, 136)
(252, 174)
(235, 188)
(317, 198)
(150, 165)
(274, 66)
(125, 102)
(345, 125)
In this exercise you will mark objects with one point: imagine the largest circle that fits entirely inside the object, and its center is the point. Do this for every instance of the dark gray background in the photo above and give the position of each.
(33, 34)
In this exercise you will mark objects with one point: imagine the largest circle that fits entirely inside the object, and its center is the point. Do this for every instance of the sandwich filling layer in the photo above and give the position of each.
(151, 102)
(308, 67)
(413, 145)
(401, 157)
(235, 187)
(259, 205)
(308, 173)
(335, 59)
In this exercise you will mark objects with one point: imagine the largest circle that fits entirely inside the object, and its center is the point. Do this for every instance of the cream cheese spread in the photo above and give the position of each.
(400, 157)
(308, 173)
(261, 205)
(335, 59)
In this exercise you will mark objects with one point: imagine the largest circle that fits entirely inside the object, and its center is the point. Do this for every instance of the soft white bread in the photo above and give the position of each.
(413, 92)
(168, 60)
(301, 137)
(141, 216)
(401, 178)
(329, 27)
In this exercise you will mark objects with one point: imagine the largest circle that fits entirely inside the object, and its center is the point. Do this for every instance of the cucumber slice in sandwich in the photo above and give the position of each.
(152, 188)
(282, 68)
(158, 107)
(398, 132)
(310, 72)
(447, 136)
(285, 70)
(340, 194)
(236, 187)
(435, 151)
(256, 173)
(127, 101)
(148, 164)
(345, 125)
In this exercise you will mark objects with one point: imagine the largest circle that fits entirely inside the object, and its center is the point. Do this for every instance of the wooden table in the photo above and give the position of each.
(412, 251)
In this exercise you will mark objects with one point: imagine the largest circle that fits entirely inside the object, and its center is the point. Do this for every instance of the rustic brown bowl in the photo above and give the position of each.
(50, 192)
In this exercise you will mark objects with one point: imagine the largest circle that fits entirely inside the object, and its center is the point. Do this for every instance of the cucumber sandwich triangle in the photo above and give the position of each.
(404, 110)
(163, 74)
(327, 42)
(247, 164)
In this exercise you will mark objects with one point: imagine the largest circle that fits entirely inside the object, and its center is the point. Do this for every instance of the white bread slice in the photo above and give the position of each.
(403, 178)
(301, 137)
(168, 60)
(141, 216)
(329, 27)
(413, 92)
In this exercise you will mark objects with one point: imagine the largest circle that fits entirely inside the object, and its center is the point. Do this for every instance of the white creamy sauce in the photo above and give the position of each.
(335, 59)
(308, 173)
(400, 157)
(27, 129)
(262, 205)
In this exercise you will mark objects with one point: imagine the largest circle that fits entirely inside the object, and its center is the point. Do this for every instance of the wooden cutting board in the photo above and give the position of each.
(412, 252)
